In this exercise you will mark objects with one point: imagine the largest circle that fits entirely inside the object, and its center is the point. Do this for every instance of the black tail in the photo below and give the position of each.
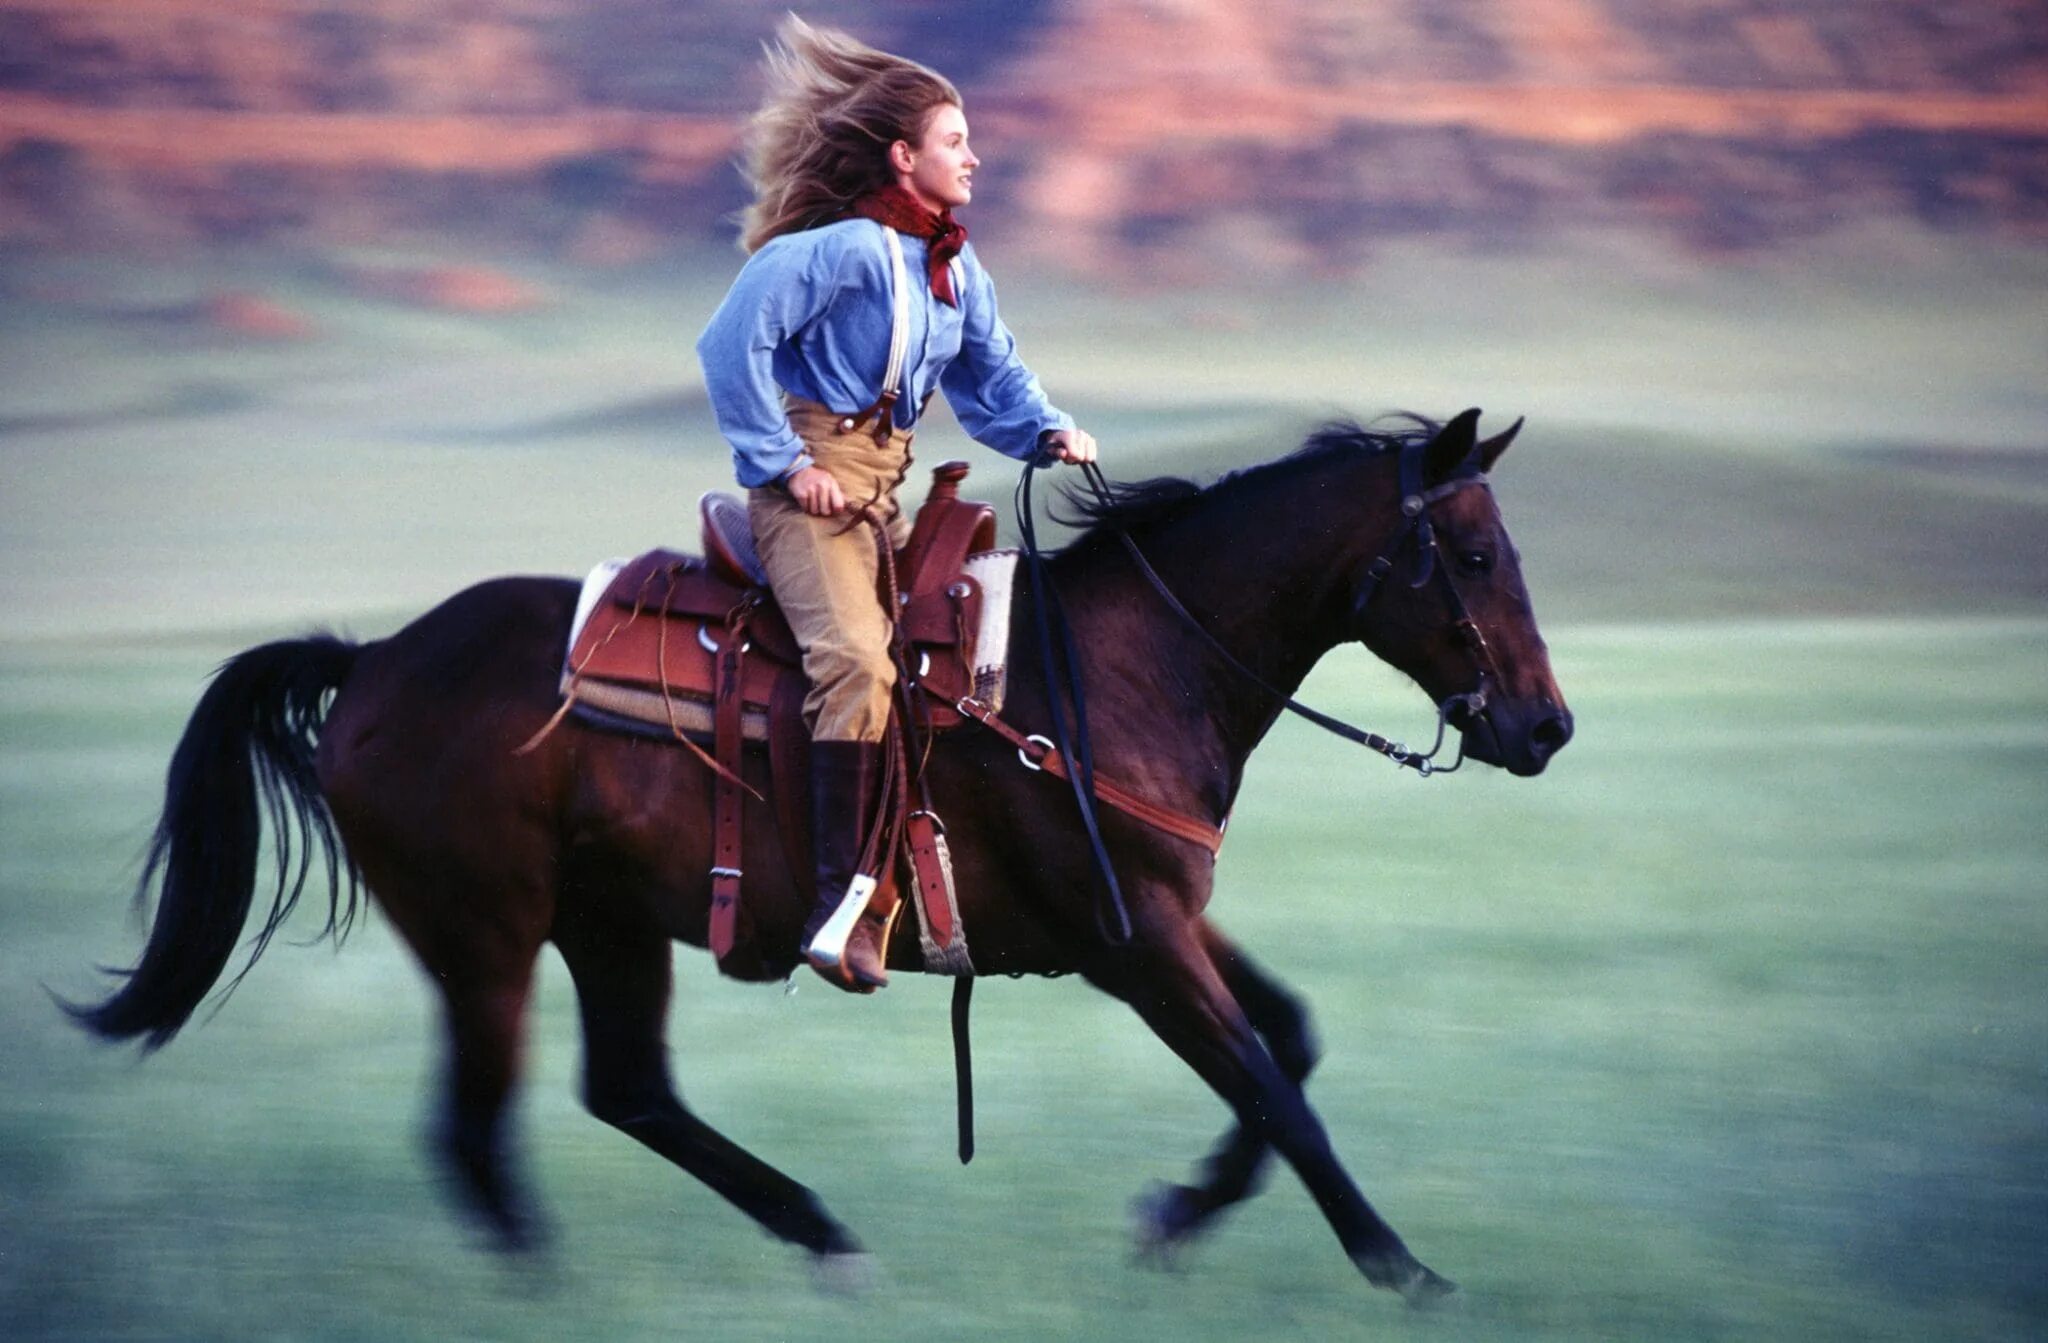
(253, 733)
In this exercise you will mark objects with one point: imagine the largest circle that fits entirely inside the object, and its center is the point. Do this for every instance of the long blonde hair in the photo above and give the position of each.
(821, 137)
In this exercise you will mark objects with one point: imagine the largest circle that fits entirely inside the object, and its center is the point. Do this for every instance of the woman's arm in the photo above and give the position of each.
(996, 399)
(783, 287)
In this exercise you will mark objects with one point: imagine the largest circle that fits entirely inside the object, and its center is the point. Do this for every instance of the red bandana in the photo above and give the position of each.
(894, 206)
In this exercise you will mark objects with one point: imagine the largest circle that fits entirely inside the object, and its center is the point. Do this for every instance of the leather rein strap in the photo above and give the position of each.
(1076, 748)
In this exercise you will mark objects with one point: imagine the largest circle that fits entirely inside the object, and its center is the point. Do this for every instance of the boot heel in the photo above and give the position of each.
(866, 958)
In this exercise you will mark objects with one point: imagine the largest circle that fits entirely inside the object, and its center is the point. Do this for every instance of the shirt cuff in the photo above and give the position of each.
(774, 458)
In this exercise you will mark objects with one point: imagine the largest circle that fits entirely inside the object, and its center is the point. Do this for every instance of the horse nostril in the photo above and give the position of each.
(1552, 733)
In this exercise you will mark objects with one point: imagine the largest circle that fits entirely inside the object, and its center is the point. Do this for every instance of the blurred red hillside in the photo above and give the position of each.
(1119, 134)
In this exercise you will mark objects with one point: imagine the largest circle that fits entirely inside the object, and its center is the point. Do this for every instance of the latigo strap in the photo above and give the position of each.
(1038, 753)
(726, 808)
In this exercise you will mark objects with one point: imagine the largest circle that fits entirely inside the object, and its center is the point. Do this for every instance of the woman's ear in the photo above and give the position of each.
(900, 157)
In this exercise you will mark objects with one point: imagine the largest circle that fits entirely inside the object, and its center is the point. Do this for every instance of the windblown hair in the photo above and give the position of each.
(821, 138)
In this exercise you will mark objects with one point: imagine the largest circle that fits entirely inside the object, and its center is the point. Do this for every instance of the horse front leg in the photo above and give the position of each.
(1172, 983)
(1172, 1215)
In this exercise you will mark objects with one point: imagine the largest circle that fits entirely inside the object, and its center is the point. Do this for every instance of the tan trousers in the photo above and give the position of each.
(825, 573)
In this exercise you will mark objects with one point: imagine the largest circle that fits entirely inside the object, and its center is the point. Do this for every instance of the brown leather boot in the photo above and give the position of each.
(846, 785)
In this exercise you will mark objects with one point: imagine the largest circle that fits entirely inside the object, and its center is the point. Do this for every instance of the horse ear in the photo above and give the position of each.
(1490, 451)
(1451, 446)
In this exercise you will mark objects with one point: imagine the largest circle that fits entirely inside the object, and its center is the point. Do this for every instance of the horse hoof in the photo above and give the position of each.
(845, 1274)
(510, 1228)
(1419, 1285)
(1428, 1290)
(1158, 1227)
(538, 1274)
(523, 1237)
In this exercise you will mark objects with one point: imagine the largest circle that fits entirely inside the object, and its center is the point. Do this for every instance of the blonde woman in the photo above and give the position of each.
(860, 297)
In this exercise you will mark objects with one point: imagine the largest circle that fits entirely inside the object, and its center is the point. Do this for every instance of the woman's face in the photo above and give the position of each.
(939, 169)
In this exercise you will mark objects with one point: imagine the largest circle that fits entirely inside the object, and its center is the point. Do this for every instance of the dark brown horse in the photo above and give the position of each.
(397, 760)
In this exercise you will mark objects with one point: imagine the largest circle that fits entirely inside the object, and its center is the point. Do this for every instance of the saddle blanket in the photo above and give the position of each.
(992, 570)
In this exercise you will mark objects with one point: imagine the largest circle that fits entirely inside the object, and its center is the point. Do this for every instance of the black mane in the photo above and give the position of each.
(1138, 504)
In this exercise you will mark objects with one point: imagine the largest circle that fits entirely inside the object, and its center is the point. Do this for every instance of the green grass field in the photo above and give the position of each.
(1730, 1026)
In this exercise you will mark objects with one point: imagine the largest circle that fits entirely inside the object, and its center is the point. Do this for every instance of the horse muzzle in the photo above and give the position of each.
(1517, 736)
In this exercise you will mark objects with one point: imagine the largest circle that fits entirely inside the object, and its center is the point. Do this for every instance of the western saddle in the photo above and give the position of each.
(689, 648)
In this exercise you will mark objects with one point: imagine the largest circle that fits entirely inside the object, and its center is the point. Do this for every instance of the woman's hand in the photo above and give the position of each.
(817, 493)
(1072, 446)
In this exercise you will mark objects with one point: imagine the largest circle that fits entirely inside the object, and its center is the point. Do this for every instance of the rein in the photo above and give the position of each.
(1112, 918)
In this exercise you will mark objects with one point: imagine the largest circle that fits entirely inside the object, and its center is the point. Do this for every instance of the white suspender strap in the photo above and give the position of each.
(899, 336)
(899, 333)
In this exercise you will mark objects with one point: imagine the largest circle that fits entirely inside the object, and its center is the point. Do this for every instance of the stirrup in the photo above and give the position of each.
(828, 948)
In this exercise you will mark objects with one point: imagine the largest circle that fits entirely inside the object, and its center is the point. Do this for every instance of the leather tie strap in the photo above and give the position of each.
(1037, 753)
(726, 807)
(941, 937)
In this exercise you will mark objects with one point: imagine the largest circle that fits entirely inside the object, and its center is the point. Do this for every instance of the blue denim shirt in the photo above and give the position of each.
(810, 314)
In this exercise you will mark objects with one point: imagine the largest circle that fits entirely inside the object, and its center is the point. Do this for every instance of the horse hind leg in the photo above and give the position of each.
(485, 973)
(622, 968)
(1169, 1216)
(486, 1037)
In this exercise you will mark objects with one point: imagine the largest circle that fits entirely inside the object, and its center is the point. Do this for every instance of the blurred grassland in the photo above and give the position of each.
(1732, 1025)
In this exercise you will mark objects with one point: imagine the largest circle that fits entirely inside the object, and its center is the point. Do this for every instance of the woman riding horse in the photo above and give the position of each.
(818, 366)
(399, 759)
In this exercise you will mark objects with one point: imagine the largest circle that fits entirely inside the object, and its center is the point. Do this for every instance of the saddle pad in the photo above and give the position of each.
(593, 592)
(993, 570)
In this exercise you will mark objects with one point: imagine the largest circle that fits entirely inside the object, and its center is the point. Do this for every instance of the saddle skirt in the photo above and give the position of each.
(643, 648)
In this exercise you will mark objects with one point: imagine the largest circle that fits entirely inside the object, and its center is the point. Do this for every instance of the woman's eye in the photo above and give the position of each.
(1474, 561)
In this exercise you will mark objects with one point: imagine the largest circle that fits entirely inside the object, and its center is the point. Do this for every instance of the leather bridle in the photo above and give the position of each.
(1420, 535)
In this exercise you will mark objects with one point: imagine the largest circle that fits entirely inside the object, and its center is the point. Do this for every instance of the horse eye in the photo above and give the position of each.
(1474, 561)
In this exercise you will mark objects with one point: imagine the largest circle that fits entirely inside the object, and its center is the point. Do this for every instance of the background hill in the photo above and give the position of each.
(1159, 139)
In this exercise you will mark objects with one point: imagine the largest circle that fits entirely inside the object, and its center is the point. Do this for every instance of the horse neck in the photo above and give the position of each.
(1264, 568)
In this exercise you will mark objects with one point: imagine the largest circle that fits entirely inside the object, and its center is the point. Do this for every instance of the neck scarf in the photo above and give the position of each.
(895, 207)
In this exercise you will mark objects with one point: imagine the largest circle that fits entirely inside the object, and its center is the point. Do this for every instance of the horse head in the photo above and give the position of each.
(1444, 602)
